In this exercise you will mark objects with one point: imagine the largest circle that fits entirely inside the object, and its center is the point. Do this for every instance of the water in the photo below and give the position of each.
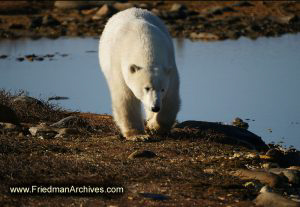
(256, 80)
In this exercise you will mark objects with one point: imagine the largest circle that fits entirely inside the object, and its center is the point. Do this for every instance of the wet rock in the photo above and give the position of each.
(42, 131)
(267, 198)
(204, 36)
(8, 115)
(27, 100)
(49, 20)
(20, 59)
(142, 154)
(238, 122)
(268, 178)
(122, 6)
(105, 11)
(70, 121)
(3, 56)
(292, 175)
(155, 196)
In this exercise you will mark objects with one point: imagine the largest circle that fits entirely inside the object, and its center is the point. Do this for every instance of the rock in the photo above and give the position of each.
(209, 170)
(270, 199)
(204, 36)
(36, 22)
(58, 98)
(16, 26)
(76, 4)
(8, 115)
(292, 175)
(243, 4)
(8, 126)
(142, 154)
(287, 19)
(105, 11)
(43, 132)
(70, 121)
(238, 122)
(66, 132)
(27, 100)
(176, 7)
(268, 178)
(231, 134)
(89, 11)
(294, 168)
(20, 59)
(269, 165)
(49, 20)
(122, 6)
(155, 196)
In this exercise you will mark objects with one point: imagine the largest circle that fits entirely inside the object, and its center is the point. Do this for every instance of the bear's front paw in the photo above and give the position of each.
(142, 138)
(154, 128)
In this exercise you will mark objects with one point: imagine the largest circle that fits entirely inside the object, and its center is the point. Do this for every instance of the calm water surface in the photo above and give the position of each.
(256, 80)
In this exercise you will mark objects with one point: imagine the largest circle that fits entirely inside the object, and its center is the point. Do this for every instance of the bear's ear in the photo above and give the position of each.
(134, 68)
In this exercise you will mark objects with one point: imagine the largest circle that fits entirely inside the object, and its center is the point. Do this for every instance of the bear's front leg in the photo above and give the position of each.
(128, 116)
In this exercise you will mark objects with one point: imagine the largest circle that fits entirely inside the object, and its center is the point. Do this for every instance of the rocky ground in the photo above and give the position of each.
(197, 164)
(205, 20)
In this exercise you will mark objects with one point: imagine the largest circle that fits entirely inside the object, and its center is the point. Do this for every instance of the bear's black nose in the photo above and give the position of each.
(155, 109)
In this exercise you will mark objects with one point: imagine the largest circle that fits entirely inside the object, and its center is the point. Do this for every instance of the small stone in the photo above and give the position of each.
(142, 154)
(209, 170)
(243, 4)
(20, 59)
(269, 165)
(122, 6)
(76, 4)
(3, 56)
(89, 11)
(176, 7)
(204, 36)
(49, 20)
(104, 11)
(36, 22)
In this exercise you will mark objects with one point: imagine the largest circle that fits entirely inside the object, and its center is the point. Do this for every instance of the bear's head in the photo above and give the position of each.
(149, 85)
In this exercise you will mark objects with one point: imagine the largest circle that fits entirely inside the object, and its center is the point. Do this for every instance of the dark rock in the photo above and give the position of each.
(16, 26)
(8, 115)
(154, 196)
(243, 4)
(58, 98)
(49, 20)
(3, 56)
(36, 22)
(20, 59)
(142, 154)
(232, 135)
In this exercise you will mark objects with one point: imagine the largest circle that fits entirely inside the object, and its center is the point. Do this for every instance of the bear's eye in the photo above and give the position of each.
(147, 89)
(162, 90)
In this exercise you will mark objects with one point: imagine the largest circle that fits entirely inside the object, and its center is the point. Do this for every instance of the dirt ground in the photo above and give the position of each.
(206, 20)
(189, 167)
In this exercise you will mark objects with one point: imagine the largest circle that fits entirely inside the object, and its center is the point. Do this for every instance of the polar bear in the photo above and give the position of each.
(136, 55)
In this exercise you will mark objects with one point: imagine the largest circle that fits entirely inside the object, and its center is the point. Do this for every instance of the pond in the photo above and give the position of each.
(258, 81)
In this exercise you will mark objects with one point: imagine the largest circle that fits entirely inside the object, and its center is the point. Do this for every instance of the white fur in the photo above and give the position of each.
(137, 37)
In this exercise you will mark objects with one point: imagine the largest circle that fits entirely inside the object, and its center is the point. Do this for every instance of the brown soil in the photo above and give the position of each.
(189, 167)
(231, 19)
